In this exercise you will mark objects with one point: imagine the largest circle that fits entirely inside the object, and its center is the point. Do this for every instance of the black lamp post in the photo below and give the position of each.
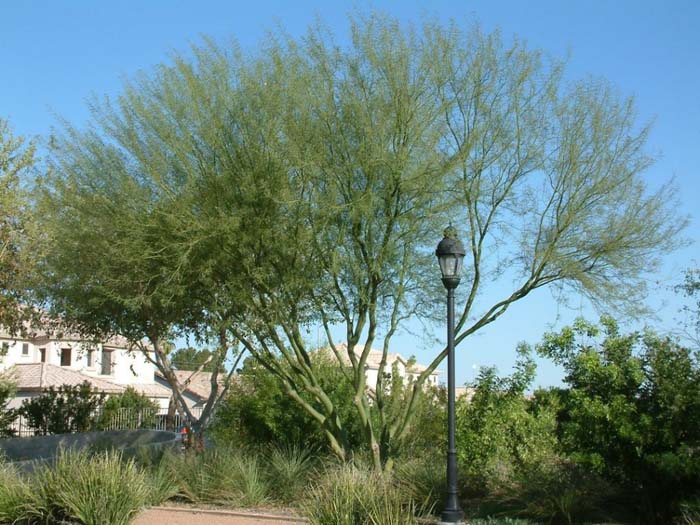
(450, 253)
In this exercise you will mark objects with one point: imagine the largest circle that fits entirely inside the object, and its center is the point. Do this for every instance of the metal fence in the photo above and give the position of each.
(118, 419)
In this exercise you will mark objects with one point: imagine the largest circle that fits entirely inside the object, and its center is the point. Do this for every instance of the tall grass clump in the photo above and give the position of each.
(422, 479)
(222, 476)
(161, 482)
(17, 496)
(92, 490)
(352, 495)
(289, 469)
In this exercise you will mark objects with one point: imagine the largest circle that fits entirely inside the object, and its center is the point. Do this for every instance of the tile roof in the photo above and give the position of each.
(47, 329)
(151, 389)
(40, 376)
(199, 386)
(374, 358)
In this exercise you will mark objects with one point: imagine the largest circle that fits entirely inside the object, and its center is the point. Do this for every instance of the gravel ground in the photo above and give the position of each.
(182, 516)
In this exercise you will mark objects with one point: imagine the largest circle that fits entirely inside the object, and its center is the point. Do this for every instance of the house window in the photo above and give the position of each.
(42, 353)
(90, 358)
(65, 356)
(25, 348)
(5, 347)
(106, 363)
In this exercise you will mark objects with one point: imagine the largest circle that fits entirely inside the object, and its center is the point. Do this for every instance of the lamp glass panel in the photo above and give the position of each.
(448, 265)
(459, 259)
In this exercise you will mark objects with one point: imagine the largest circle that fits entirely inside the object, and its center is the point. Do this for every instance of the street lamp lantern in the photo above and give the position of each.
(450, 254)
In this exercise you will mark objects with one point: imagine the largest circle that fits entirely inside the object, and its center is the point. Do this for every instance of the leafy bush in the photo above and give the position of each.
(498, 433)
(422, 478)
(66, 409)
(510, 458)
(130, 409)
(631, 412)
(7, 392)
(258, 411)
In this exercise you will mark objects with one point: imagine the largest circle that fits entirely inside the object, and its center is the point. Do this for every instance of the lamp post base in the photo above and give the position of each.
(451, 517)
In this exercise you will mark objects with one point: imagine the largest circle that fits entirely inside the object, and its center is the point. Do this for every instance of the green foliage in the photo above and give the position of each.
(498, 434)
(352, 495)
(421, 478)
(289, 469)
(221, 475)
(17, 495)
(130, 409)
(65, 409)
(690, 288)
(631, 412)
(92, 490)
(7, 392)
(16, 159)
(511, 459)
(242, 198)
(191, 359)
(258, 410)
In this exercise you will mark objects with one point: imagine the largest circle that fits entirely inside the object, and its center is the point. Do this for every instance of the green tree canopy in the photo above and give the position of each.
(193, 359)
(244, 198)
(16, 158)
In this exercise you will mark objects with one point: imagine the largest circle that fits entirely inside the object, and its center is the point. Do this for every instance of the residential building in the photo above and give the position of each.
(43, 359)
(407, 368)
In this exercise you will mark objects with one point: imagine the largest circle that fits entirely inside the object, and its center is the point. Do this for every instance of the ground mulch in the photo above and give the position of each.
(197, 516)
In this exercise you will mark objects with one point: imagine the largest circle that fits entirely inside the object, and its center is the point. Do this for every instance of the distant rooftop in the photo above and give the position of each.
(374, 358)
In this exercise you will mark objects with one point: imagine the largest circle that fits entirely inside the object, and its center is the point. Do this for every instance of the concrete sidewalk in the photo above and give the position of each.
(185, 516)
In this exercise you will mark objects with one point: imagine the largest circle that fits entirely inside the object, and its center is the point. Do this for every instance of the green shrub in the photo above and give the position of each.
(289, 470)
(128, 410)
(631, 413)
(17, 496)
(7, 391)
(66, 409)
(555, 491)
(689, 512)
(499, 435)
(422, 479)
(162, 483)
(219, 476)
(92, 490)
(257, 410)
(352, 495)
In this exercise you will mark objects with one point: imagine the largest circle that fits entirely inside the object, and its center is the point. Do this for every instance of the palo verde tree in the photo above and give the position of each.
(248, 198)
(16, 158)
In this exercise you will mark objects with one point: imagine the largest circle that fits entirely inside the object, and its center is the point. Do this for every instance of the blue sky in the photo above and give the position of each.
(54, 55)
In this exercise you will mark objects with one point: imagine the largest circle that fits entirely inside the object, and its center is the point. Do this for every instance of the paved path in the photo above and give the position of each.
(184, 516)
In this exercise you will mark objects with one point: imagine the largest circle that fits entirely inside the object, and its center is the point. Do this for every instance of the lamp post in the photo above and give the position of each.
(450, 253)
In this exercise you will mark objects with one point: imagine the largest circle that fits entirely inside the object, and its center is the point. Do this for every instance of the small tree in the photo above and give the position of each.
(69, 408)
